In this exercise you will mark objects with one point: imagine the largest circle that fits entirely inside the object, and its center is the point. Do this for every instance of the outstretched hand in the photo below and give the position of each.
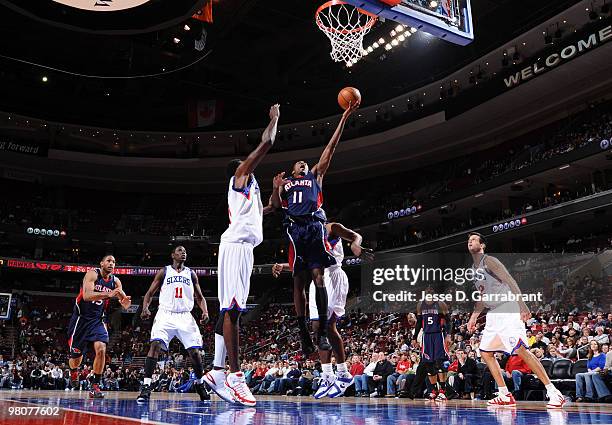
(274, 111)
(126, 302)
(366, 254)
(279, 180)
(351, 108)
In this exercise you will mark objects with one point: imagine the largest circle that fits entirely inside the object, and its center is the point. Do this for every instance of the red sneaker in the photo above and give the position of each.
(433, 394)
(96, 392)
(503, 400)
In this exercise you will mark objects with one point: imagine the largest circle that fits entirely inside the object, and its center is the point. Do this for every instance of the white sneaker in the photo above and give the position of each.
(374, 394)
(343, 381)
(236, 384)
(556, 400)
(327, 382)
(215, 379)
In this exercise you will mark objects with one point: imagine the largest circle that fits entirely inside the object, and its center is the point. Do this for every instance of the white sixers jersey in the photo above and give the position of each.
(489, 285)
(176, 293)
(245, 214)
(337, 252)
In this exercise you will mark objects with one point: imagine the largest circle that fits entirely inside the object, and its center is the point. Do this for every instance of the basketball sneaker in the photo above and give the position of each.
(215, 379)
(74, 380)
(556, 400)
(96, 392)
(145, 394)
(503, 400)
(433, 394)
(343, 381)
(441, 396)
(327, 383)
(236, 384)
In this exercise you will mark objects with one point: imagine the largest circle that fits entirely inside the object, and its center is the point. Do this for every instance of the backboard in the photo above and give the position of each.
(450, 20)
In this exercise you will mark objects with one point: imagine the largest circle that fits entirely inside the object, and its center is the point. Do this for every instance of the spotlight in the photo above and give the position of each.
(399, 28)
(45, 79)
(176, 40)
(186, 27)
(388, 46)
(433, 4)
(413, 30)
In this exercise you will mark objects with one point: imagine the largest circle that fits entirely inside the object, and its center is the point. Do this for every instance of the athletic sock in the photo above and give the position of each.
(149, 366)
(220, 352)
(327, 368)
(147, 381)
(550, 388)
(503, 391)
(341, 368)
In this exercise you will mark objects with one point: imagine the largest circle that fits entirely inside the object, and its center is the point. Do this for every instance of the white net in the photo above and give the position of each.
(345, 26)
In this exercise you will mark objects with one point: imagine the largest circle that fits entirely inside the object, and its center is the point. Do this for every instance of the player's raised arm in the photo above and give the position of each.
(89, 293)
(247, 166)
(351, 236)
(500, 271)
(155, 285)
(199, 297)
(321, 167)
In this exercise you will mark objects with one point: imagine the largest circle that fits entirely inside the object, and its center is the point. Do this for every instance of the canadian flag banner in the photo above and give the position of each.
(203, 113)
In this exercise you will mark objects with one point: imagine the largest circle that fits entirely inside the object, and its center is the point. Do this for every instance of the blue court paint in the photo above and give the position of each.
(178, 409)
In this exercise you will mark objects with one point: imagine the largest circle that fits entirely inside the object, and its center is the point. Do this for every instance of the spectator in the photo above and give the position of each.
(552, 353)
(590, 385)
(365, 381)
(383, 369)
(569, 349)
(600, 336)
(515, 369)
(463, 381)
(402, 366)
(405, 382)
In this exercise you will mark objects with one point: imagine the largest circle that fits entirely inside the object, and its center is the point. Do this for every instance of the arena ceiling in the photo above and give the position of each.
(257, 53)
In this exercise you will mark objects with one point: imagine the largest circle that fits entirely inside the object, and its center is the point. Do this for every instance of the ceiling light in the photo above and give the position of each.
(399, 28)
(176, 40)
(186, 27)
(45, 79)
(433, 4)
(388, 46)
(394, 42)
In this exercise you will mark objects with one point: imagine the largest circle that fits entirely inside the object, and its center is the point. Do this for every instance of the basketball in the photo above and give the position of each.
(348, 95)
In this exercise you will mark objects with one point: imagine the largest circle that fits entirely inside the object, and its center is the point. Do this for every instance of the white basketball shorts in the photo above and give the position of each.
(234, 275)
(503, 332)
(183, 326)
(337, 285)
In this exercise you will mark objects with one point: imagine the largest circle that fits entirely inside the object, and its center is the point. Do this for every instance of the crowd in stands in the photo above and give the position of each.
(587, 127)
(382, 353)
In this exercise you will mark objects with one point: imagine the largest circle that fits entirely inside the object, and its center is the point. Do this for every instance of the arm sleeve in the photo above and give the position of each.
(447, 325)
(419, 324)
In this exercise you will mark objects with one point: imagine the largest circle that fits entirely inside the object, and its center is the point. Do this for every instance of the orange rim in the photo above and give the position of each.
(331, 3)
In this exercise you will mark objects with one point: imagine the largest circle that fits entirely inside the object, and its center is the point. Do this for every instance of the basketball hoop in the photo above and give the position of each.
(345, 26)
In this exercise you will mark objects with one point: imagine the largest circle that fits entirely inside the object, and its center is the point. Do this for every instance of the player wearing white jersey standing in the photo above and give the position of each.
(337, 285)
(505, 324)
(243, 234)
(178, 286)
